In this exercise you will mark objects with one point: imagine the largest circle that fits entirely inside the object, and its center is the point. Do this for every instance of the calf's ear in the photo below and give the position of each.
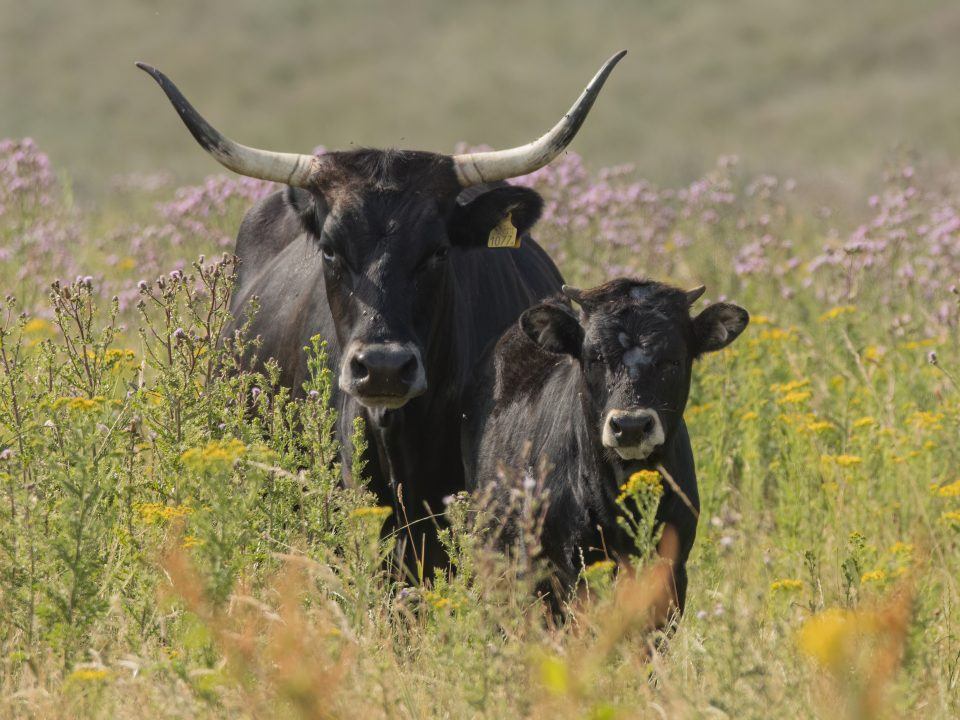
(497, 218)
(554, 328)
(718, 326)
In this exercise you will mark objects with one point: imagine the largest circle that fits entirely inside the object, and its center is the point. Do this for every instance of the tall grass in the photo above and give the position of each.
(174, 540)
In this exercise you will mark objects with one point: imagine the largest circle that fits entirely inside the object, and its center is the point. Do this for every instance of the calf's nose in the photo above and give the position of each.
(629, 429)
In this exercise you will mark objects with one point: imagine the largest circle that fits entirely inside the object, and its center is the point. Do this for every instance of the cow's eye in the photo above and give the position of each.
(329, 254)
(441, 253)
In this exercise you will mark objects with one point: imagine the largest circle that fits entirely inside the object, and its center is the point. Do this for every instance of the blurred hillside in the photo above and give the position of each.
(822, 91)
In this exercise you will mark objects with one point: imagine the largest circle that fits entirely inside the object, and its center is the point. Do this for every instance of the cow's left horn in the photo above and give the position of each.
(287, 168)
(480, 167)
(695, 294)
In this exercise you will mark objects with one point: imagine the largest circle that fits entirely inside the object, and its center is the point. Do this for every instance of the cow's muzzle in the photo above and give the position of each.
(383, 375)
(633, 434)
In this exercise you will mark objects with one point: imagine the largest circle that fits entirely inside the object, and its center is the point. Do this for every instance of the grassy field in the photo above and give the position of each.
(821, 91)
(164, 553)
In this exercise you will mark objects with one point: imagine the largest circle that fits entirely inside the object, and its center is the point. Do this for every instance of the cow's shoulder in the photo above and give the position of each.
(267, 229)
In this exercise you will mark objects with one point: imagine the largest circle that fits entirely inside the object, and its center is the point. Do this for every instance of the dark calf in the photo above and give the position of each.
(595, 397)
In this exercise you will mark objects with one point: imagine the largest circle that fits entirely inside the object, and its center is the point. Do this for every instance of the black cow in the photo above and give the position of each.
(384, 254)
(597, 397)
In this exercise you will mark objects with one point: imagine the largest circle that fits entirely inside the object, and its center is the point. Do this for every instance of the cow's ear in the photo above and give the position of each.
(309, 208)
(497, 218)
(718, 326)
(554, 328)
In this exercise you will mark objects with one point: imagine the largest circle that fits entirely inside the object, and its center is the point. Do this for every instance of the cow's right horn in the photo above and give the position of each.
(288, 168)
(482, 167)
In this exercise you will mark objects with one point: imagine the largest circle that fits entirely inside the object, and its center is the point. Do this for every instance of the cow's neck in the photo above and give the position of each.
(424, 433)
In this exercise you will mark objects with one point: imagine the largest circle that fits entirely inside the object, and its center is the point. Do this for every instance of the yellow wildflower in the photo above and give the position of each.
(872, 353)
(836, 312)
(215, 455)
(789, 387)
(152, 513)
(88, 675)
(951, 490)
(786, 585)
(81, 404)
(697, 409)
(917, 344)
(951, 517)
(37, 326)
(819, 426)
(841, 460)
(377, 513)
(126, 263)
(440, 601)
(116, 356)
(190, 541)
(878, 576)
(833, 636)
(901, 548)
(760, 320)
(925, 420)
(749, 415)
(795, 398)
(641, 481)
(775, 334)
(865, 421)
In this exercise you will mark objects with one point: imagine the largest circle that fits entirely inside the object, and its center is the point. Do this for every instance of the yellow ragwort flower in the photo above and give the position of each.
(786, 585)
(865, 421)
(749, 415)
(836, 312)
(641, 481)
(88, 675)
(152, 513)
(832, 636)
(947, 491)
(215, 455)
(925, 420)
(901, 548)
(37, 326)
(376, 513)
(795, 398)
(951, 517)
(878, 576)
(819, 426)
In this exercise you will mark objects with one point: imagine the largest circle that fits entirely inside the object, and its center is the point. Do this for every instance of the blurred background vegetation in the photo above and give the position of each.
(816, 90)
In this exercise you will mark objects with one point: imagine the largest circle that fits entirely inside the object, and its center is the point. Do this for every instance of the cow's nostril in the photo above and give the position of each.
(646, 424)
(357, 369)
(615, 427)
(408, 372)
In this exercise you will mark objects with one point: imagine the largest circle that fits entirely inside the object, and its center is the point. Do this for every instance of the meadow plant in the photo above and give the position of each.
(176, 541)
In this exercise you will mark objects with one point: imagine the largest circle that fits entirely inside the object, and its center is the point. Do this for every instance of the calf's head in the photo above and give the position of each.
(635, 342)
(383, 222)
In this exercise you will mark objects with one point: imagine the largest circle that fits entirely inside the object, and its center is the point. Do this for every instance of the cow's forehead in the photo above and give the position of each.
(376, 213)
(653, 329)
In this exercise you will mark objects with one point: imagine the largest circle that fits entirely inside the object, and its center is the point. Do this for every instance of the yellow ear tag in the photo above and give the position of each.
(504, 235)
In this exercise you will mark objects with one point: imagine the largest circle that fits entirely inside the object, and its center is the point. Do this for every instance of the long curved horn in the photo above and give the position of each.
(480, 167)
(288, 168)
